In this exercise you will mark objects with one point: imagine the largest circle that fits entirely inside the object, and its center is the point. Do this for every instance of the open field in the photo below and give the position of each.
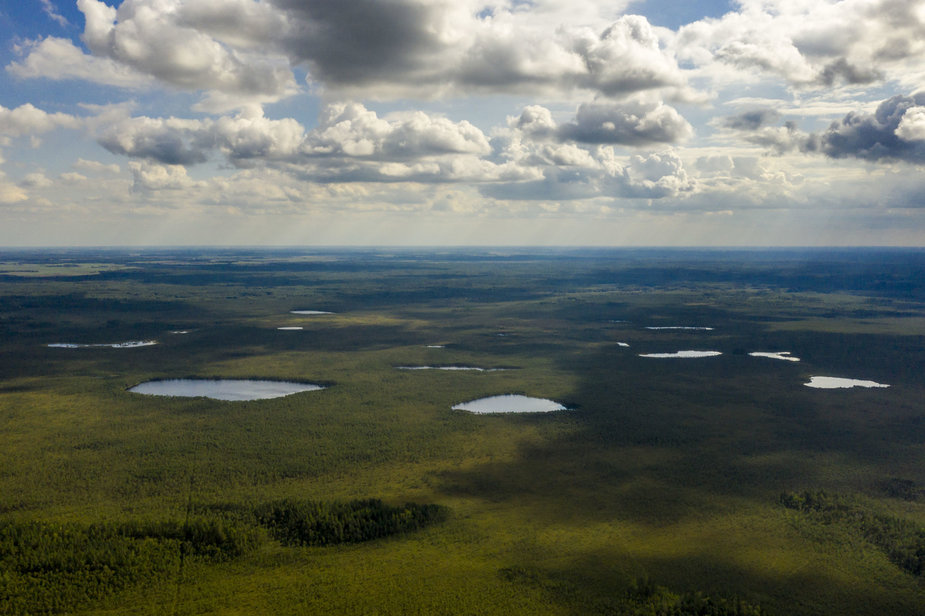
(663, 480)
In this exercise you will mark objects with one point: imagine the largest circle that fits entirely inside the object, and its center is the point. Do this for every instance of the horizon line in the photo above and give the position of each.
(340, 247)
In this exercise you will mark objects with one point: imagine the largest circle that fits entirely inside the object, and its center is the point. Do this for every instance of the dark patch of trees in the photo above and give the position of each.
(330, 523)
(642, 598)
(905, 489)
(49, 568)
(52, 568)
(666, 603)
(647, 599)
(901, 540)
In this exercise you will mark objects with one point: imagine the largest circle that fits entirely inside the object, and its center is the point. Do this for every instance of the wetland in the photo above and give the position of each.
(715, 485)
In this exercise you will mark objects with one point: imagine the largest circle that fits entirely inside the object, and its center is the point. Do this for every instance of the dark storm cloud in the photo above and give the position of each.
(751, 120)
(242, 53)
(875, 136)
(841, 70)
(894, 132)
(432, 48)
(360, 41)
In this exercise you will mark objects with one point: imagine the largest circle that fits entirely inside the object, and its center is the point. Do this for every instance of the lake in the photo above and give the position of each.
(510, 403)
(223, 389)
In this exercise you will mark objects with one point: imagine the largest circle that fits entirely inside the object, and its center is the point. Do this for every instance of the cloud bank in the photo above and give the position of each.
(470, 108)
(894, 132)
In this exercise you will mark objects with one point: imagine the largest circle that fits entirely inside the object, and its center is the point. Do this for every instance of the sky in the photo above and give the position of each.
(462, 122)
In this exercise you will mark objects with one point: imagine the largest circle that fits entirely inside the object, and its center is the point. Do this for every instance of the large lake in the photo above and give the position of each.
(223, 389)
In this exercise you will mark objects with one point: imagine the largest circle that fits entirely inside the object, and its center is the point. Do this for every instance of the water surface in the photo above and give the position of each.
(833, 382)
(130, 344)
(784, 355)
(510, 403)
(683, 354)
(472, 368)
(681, 327)
(223, 389)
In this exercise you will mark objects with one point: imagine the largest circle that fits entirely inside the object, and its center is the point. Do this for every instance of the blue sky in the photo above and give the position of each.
(438, 122)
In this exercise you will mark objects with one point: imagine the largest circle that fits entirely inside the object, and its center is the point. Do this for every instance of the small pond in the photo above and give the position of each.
(223, 389)
(833, 382)
(681, 327)
(784, 355)
(683, 354)
(130, 344)
(451, 368)
(510, 403)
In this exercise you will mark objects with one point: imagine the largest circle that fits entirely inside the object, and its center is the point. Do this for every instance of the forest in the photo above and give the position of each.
(717, 485)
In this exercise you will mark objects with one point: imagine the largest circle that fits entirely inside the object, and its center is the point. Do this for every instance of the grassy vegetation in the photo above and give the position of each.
(901, 540)
(51, 568)
(54, 269)
(659, 493)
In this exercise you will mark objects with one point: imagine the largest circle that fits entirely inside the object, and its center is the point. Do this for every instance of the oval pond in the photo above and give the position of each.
(510, 403)
(223, 389)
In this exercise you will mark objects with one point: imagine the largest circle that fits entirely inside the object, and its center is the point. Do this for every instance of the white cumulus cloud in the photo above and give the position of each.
(150, 176)
(30, 120)
(58, 58)
(345, 131)
(818, 43)
(157, 38)
(352, 130)
(912, 125)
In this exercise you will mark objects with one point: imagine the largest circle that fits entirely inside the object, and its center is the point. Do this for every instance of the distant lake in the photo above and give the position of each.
(130, 344)
(784, 355)
(832, 382)
(450, 368)
(682, 354)
(310, 312)
(681, 327)
(510, 403)
(223, 389)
